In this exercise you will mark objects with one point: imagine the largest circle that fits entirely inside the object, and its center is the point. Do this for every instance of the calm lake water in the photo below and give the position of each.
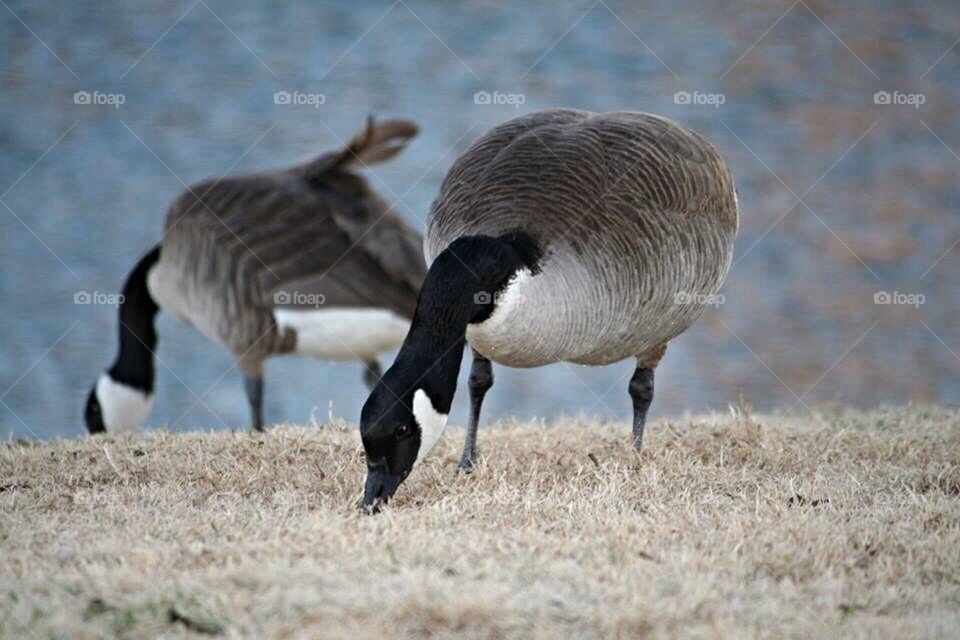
(845, 193)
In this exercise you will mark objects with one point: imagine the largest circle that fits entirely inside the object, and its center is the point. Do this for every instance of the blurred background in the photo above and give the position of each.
(838, 120)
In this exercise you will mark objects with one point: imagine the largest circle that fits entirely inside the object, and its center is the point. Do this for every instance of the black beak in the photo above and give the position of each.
(379, 487)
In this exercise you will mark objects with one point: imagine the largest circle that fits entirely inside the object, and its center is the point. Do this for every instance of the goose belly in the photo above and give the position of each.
(343, 333)
(223, 313)
(566, 314)
(179, 295)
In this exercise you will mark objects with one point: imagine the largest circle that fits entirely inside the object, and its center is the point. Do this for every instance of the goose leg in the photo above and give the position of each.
(253, 385)
(371, 374)
(641, 392)
(481, 379)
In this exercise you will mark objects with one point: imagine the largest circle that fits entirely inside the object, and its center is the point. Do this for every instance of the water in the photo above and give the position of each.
(85, 187)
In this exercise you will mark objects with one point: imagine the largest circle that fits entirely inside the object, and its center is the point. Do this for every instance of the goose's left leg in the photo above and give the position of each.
(371, 374)
(641, 390)
(251, 366)
(480, 381)
(253, 385)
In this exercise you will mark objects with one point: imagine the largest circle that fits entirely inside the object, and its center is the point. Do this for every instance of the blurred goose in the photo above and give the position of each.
(561, 235)
(307, 260)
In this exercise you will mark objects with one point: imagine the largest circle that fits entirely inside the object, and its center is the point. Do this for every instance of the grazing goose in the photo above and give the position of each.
(305, 260)
(561, 235)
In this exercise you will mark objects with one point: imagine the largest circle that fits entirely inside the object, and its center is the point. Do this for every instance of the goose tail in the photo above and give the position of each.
(377, 142)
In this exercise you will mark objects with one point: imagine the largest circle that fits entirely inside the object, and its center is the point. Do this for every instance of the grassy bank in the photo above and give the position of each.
(843, 524)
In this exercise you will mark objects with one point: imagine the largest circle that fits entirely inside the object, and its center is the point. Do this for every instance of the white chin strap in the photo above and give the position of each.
(123, 408)
(430, 420)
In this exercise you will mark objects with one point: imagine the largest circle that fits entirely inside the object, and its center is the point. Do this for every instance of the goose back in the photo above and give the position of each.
(634, 214)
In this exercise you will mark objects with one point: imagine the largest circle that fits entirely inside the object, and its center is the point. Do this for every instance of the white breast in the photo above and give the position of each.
(526, 327)
(345, 333)
(167, 291)
(507, 302)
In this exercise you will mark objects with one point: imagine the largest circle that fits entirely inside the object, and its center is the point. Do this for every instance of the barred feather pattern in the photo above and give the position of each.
(231, 246)
(636, 217)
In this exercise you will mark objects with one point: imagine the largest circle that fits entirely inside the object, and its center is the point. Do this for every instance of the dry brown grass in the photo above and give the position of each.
(839, 526)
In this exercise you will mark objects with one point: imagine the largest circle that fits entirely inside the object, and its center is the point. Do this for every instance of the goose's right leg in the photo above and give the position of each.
(253, 385)
(481, 379)
(371, 373)
(641, 392)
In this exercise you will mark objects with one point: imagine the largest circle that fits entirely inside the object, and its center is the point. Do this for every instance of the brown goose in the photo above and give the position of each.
(306, 260)
(561, 235)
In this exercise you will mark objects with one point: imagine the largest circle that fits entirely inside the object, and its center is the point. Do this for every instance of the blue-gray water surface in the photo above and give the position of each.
(838, 121)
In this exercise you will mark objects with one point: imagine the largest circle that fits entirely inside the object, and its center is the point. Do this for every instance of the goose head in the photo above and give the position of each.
(407, 410)
(122, 396)
(396, 435)
(113, 406)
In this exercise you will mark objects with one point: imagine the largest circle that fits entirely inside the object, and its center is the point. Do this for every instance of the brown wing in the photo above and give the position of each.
(288, 243)
(291, 238)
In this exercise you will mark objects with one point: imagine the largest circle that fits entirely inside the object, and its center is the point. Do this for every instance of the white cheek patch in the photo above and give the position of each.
(430, 420)
(123, 408)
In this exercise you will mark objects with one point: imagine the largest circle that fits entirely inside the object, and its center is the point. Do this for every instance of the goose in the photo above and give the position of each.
(560, 235)
(305, 260)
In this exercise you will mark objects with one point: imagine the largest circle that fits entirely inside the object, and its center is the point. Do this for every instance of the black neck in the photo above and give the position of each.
(138, 337)
(460, 288)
